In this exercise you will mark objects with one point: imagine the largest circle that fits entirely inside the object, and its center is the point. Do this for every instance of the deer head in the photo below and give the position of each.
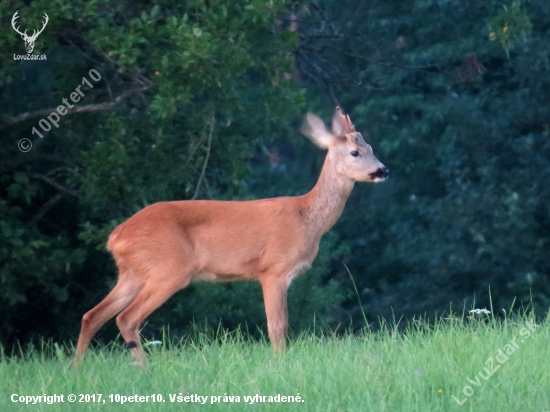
(29, 40)
(347, 148)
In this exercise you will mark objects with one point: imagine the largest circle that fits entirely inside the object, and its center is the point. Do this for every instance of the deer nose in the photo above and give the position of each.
(381, 173)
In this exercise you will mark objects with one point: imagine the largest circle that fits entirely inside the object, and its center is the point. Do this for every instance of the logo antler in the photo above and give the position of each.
(29, 40)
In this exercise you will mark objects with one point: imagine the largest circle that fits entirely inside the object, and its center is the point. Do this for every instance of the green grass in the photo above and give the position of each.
(419, 369)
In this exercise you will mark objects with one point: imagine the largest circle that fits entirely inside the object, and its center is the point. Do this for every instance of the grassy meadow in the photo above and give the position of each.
(471, 363)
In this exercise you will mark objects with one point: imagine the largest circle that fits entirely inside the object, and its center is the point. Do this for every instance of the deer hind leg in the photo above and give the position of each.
(157, 290)
(120, 297)
(275, 301)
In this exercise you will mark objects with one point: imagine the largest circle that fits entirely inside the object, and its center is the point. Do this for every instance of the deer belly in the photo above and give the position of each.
(231, 264)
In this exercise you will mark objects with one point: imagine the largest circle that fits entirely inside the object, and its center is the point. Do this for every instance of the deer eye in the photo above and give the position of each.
(355, 153)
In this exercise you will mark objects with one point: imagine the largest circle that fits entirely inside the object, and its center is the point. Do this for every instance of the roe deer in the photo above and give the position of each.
(161, 248)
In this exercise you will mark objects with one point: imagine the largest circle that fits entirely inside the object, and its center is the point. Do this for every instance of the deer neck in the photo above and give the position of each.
(327, 199)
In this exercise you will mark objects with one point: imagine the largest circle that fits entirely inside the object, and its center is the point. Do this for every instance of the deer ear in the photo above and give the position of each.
(315, 129)
(338, 127)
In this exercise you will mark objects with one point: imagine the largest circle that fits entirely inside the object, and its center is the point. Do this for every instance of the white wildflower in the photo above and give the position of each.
(480, 311)
(153, 342)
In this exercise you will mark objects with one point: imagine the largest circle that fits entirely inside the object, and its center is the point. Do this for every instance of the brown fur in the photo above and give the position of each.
(160, 249)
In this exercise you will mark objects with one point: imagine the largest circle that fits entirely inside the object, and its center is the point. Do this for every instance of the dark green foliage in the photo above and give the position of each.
(454, 97)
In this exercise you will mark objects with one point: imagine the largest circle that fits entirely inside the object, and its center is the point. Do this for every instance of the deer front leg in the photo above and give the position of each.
(275, 293)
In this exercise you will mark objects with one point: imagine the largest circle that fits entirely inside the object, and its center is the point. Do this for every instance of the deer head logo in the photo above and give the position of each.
(29, 40)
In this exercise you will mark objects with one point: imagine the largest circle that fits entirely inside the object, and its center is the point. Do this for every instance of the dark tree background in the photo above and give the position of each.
(204, 99)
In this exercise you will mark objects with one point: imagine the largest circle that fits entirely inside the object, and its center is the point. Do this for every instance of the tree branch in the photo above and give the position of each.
(53, 183)
(46, 207)
(208, 146)
(77, 109)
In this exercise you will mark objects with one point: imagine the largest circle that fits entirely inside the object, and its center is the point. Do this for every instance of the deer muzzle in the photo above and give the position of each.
(380, 174)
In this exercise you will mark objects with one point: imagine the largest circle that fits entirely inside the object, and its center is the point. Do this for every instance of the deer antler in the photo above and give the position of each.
(46, 19)
(34, 32)
(346, 121)
(13, 19)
